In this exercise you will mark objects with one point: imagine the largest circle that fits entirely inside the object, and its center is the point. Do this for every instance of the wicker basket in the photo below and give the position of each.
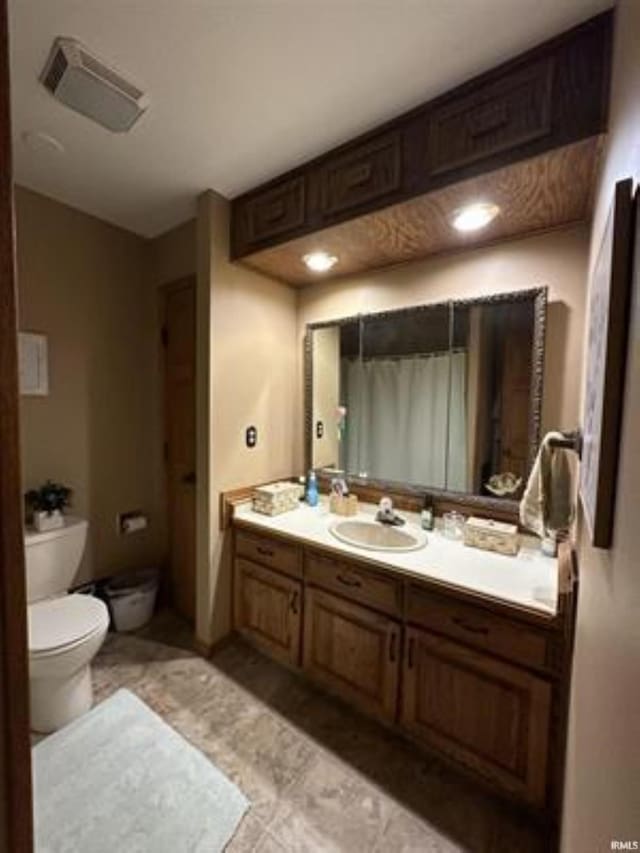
(343, 504)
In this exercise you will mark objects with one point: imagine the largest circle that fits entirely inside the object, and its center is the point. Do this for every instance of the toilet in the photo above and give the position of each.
(65, 630)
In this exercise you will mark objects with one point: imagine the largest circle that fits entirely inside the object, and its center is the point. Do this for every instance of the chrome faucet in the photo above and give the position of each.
(386, 514)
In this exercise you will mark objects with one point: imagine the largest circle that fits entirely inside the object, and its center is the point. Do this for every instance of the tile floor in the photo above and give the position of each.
(320, 777)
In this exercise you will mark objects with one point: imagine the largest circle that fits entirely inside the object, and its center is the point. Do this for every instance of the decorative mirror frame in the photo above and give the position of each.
(536, 295)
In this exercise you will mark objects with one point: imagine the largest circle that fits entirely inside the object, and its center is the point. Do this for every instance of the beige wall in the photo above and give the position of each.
(247, 360)
(557, 260)
(602, 798)
(172, 255)
(82, 282)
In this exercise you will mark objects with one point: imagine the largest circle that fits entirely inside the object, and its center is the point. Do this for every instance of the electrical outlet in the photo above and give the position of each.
(319, 429)
(251, 436)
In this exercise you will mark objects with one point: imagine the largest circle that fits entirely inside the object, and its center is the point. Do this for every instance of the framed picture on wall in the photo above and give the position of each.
(606, 359)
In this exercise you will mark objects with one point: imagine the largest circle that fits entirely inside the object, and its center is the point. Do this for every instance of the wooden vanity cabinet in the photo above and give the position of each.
(481, 712)
(482, 684)
(267, 610)
(353, 651)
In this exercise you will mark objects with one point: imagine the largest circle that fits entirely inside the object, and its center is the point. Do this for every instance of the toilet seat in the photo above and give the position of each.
(60, 624)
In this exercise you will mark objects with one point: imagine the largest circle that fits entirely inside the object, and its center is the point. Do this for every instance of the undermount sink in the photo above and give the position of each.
(373, 536)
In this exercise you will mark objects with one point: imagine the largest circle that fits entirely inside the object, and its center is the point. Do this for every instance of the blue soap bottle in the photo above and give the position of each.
(312, 489)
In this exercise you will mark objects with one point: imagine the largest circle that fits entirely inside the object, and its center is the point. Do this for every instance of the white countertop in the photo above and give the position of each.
(528, 580)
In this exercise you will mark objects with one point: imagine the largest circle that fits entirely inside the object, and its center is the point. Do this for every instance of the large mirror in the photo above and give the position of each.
(441, 397)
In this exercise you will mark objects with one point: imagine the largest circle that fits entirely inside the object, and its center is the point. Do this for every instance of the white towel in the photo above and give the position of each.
(547, 505)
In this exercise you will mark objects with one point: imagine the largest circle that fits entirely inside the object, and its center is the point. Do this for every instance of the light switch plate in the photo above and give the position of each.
(33, 364)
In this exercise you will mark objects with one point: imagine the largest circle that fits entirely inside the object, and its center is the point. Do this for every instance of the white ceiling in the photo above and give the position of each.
(242, 90)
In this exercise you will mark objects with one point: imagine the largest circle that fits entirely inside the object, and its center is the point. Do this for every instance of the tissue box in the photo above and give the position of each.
(491, 535)
(276, 498)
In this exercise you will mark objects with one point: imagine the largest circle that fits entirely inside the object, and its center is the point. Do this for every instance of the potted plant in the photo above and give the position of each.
(46, 505)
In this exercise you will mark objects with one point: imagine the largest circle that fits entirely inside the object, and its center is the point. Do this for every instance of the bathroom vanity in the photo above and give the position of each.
(465, 651)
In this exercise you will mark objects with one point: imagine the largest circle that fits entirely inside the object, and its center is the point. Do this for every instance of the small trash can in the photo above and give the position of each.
(131, 598)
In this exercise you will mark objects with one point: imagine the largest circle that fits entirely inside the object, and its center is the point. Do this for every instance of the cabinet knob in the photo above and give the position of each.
(265, 552)
(346, 581)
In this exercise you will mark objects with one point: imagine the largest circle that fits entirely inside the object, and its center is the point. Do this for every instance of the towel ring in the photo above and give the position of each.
(571, 440)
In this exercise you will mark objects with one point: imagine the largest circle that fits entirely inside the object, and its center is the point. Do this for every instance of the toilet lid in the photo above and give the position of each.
(59, 622)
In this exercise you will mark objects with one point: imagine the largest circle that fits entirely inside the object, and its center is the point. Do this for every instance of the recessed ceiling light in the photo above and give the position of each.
(475, 216)
(319, 261)
(38, 140)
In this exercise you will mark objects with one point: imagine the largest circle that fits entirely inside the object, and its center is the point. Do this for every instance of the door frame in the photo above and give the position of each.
(16, 818)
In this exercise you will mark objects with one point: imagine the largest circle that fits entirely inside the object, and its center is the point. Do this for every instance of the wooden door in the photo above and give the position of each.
(485, 714)
(267, 610)
(15, 752)
(179, 340)
(353, 651)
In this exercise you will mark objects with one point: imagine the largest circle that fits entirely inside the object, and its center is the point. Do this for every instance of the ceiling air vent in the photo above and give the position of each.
(84, 83)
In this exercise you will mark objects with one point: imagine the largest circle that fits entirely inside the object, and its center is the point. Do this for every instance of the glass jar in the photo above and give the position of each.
(453, 525)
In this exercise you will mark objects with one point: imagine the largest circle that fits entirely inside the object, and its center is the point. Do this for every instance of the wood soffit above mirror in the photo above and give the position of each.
(547, 192)
(525, 136)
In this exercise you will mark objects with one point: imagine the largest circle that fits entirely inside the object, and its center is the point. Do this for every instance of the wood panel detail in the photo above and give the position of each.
(502, 114)
(274, 212)
(489, 716)
(366, 173)
(536, 195)
(267, 610)
(352, 651)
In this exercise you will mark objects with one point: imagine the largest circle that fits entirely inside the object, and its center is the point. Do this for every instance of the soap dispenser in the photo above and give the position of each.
(312, 489)
(426, 516)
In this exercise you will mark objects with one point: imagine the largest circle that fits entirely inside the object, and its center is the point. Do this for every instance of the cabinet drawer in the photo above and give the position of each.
(354, 582)
(476, 627)
(364, 174)
(502, 114)
(273, 212)
(270, 552)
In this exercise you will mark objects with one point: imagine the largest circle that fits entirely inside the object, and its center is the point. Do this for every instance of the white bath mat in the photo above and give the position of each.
(120, 780)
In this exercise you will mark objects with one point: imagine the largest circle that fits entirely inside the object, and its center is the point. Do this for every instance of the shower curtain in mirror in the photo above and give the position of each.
(399, 414)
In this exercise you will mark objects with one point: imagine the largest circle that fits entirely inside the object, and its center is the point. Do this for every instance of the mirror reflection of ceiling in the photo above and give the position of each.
(242, 91)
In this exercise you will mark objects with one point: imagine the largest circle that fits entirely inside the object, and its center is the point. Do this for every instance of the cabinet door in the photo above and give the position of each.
(269, 213)
(483, 713)
(361, 176)
(510, 110)
(352, 651)
(267, 610)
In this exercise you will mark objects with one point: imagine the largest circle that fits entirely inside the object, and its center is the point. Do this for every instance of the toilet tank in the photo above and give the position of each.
(53, 556)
